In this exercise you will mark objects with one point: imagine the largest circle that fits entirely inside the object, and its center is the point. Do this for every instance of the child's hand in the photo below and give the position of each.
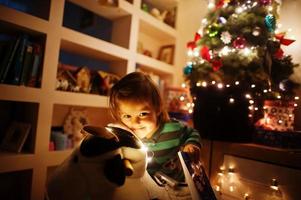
(194, 152)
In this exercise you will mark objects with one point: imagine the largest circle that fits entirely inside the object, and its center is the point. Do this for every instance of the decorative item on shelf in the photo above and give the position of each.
(83, 80)
(178, 103)
(158, 14)
(112, 3)
(102, 82)
(73, 123)
(147, 53)
(166, 53)
(65, 79)
(170, 18)
(15, 136)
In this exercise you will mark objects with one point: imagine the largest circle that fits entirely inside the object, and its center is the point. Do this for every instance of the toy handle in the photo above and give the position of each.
(128, 168)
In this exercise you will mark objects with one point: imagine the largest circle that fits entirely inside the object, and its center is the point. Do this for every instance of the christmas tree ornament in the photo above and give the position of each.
(191, 45)
(226, 37)
(213, 30)
(239, 42)
(187, 70)
(282, 40)
(265, 2)
(270, 22)
(279, 54)
(216, 64)
(256, 31)
(205, 53)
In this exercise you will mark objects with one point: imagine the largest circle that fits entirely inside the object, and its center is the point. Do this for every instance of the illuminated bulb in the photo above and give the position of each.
(217, 188)
(231, 100)
(278, 97)
(280, 121)
(213, 82)
(204, 84)
(204, 21)
(149, 159)
(231, 188)
(290, 115)
(256, 108)
(264, 107)
(265, 91)
(296, 98)
(251, 101)
(190, 111)
(247, 51)
(250, 115)
(188, 104)
(198, 84)
(253, 86)
(295, 104)
(227, 85)
(239, 10)
(189, 52)
(183, 85)
(270, 90)
(220, 85)
(196, 53)
(192, 104)
(274, 184)
(236, 82)
(270, 8)
(250, 107)
(246, 196)
(211, 5)
(182, 98)
(248, 96)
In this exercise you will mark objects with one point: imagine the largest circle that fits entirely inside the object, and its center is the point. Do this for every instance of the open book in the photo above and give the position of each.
(196, 178)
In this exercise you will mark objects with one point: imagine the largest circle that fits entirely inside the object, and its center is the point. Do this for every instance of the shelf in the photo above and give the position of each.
(163, 5)
(19, 93)
(24, 20)
(155, 65)
(156, 28)
(15, 162)
(76, 42)
(123, 9)
(80, 99)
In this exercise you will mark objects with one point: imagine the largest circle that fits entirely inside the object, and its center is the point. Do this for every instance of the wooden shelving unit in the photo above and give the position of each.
(130, 25)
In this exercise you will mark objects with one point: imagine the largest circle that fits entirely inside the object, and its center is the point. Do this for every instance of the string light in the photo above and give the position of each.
(231, 100)
(274, 184)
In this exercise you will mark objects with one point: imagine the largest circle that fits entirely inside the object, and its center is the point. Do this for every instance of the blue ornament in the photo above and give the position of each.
(187, 70)
(270, 22)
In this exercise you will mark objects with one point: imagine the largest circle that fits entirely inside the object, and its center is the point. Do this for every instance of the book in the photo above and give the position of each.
(8, 59)
(27, 63)
(33, 75)
(18, 61)
(196, 178)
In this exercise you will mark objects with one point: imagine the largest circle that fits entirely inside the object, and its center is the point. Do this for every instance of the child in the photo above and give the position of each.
(136, 103)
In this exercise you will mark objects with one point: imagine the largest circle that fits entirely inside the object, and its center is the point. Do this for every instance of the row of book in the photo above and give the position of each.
(20, 60)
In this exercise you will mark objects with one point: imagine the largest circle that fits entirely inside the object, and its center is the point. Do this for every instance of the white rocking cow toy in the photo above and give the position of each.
(108, 164)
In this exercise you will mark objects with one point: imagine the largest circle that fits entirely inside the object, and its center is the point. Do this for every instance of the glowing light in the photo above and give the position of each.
(190, 111)
(250, 107)
(274, 184)
(248, 96)
(220, 85)
(251, 101)
(211, 5)
(270, 8)
(217, 188)
(204, 84)
(213, 82)
(247, 51)
(280, 121)
(190, 53)
(295, 104)
(149, 159)
(296, 98)
(182, 98)
(231, 188)
(236, 82)
(256, 108)
(196, 53)
(144, 148)
(231, 100)
(278, 97)
(246, 196)
(198, 84)
(253, 86)
(239, 10)
(227, 85)
(183, 85)
(265, 91)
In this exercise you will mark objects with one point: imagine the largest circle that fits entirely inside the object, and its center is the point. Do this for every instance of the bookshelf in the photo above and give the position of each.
(24, 175)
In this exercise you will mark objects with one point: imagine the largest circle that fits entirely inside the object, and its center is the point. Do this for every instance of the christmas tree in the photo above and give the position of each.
(238, 42)
(236, 62)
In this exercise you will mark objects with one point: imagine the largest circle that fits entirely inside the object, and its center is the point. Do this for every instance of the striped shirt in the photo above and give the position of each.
(165, 144)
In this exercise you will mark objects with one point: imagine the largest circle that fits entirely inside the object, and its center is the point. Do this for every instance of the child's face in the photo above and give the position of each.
(139, 117)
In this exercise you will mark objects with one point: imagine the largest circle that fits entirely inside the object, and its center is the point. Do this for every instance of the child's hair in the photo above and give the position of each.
(137, 87)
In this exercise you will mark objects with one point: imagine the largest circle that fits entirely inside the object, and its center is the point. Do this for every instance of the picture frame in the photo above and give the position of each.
(166, 53)
(15, 136)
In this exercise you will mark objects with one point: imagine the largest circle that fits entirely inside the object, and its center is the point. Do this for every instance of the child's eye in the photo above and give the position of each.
(143, 114)
(126, 116)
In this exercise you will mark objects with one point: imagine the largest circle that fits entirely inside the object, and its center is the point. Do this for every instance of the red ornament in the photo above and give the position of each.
(219, 4)
(239, 43)
(284, 41)
(205, 53)
(216, 64)
(279, 54)
(191, 45)
(197, 37)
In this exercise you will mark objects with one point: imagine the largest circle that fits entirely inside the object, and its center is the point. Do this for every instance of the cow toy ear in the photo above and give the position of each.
(114, 170)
